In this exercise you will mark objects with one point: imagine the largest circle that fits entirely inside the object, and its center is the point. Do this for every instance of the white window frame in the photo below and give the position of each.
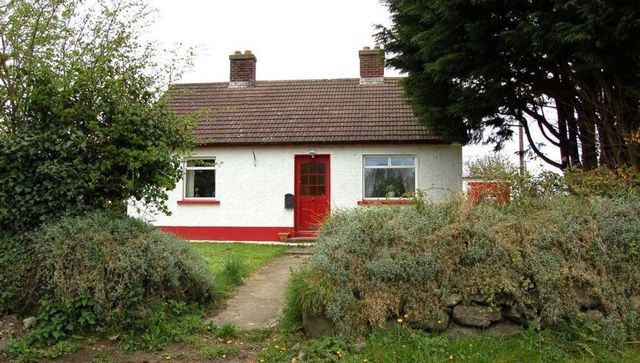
(186, 168)
(389, 166)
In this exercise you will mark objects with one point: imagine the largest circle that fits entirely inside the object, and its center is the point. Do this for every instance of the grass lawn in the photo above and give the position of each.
(230, 262)
(406, 345)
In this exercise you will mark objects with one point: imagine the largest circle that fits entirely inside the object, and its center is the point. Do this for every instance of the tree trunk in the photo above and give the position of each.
(588, 141)
(562, 129)
(574, 155)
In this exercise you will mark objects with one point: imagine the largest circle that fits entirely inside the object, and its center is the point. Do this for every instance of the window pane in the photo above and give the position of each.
(389, 182)
(200, 184)
(402, 161)
(202, 163)
(376, 161)
(312, 189)
(408, 177)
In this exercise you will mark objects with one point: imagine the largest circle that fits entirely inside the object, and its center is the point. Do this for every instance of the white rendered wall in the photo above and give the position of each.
(251, 191)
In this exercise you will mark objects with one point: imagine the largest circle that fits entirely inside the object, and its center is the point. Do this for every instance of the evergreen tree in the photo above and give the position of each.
(568, 67)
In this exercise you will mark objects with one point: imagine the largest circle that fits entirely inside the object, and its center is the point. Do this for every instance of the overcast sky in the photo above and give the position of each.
(292, 39)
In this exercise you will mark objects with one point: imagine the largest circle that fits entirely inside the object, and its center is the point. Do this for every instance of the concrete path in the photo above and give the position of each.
(258, 303)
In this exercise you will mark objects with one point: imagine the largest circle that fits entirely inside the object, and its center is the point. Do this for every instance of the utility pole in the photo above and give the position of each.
(523, 167)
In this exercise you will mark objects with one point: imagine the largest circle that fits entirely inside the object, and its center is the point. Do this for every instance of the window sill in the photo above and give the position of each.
(384, 201)
(199, 201)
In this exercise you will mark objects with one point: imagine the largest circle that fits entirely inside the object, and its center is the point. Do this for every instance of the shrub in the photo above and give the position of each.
(5, 265)
(604, 181)
(15, 268)
(57, 321)
(121, 266)
(523, 188)
(492, 167)
(380, 263)
(81, 125)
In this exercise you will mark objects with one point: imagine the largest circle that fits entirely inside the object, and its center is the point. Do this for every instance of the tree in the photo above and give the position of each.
(83, 125)
(568, 67)
(492, 167)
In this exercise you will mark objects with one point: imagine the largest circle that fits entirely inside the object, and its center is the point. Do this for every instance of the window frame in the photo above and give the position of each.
(187, 168)
(388, 166)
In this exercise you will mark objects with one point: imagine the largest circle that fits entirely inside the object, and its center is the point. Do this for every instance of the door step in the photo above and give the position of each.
(301, 250)
(302, 240)
(301, 245)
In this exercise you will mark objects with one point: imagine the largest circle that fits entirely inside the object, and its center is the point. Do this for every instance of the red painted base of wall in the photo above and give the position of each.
(227, 233)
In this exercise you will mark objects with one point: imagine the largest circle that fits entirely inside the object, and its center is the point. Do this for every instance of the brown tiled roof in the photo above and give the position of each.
(304, 111)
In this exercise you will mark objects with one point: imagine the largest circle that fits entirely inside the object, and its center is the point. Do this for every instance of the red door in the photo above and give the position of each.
(312, 188)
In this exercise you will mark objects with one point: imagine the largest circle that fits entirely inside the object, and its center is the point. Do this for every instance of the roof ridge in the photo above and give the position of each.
(277, 81)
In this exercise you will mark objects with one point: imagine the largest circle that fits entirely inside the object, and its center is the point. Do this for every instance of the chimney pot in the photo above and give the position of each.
(237, 52)
(366, 48)
(247, 52)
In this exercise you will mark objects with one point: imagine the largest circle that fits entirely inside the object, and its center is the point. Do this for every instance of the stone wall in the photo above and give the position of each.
(473, 316)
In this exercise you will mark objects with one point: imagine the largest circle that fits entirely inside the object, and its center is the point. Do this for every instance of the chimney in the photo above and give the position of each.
(242, 69)
(371, 65)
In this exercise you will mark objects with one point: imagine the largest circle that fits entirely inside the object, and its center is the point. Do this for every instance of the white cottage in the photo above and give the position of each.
(277, 156)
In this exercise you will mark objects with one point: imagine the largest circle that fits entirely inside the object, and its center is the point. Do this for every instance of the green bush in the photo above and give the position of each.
(380, 263)
(57, 321)
(121, 266)
(83, 124)
(5, 265)
(603, 181)
(15, 268)
(527, 188)
(492, 167)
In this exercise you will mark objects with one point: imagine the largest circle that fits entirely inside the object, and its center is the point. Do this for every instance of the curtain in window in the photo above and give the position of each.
(408, 180)
(389, 182)
(190, 184)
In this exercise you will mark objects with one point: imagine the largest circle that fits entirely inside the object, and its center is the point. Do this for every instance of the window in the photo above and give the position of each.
(313, 178)
(200, 178)
(389, 176)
